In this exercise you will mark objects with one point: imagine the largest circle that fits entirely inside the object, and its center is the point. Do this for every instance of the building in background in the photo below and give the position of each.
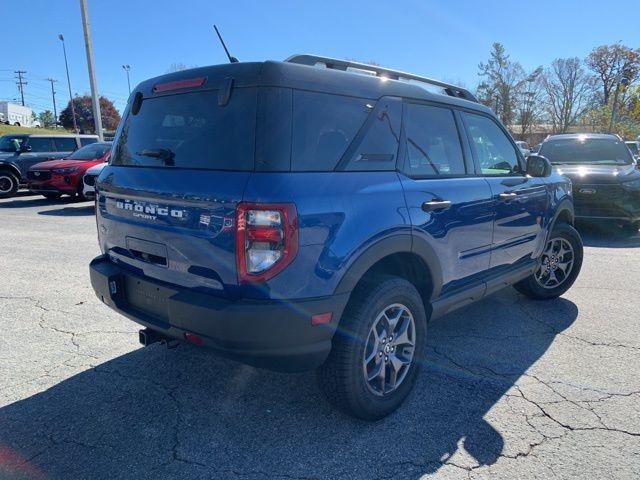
(16, 114)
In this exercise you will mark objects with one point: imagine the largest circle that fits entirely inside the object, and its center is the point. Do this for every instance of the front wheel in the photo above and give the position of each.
(377, 350)
(9, 184)
(558, 266)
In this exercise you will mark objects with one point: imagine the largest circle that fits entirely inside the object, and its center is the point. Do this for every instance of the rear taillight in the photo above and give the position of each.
(266, 239)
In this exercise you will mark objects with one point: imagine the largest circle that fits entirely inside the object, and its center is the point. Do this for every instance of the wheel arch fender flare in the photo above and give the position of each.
(12, 168)
(401, 243)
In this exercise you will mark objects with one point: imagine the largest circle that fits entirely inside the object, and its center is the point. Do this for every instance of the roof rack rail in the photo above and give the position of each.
(337, 64)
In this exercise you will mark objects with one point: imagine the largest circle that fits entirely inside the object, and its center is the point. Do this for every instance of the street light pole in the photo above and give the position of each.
(126, 68)
(66, 65)
(97, 119)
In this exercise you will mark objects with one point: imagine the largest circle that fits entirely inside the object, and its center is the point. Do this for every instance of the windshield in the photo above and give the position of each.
(597, 151)
(90, 152)
(190, 130)
(633, 146)
(10, 143)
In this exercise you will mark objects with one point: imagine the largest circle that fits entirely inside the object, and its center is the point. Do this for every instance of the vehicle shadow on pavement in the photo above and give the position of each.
(184, 413)
(31, 200)
(607, 236)
(75, 211)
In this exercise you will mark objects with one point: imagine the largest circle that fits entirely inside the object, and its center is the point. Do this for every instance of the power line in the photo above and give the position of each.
(21, 83)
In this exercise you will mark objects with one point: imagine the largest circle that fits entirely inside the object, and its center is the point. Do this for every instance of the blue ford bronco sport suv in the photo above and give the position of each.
(304, 215)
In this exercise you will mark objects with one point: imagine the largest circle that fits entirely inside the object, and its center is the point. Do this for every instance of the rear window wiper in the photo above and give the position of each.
(165, 154)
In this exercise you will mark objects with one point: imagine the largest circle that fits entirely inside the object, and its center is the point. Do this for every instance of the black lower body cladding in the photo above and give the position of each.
(272, 334)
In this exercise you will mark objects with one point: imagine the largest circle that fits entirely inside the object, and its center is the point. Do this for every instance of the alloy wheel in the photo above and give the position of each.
(556, 263)
(389, 350)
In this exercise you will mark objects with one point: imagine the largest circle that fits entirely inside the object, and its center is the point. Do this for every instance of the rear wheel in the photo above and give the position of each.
(377, 349)
(9, 184)
(558, 266)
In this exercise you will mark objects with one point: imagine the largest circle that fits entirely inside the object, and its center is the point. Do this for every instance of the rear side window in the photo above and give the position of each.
(84, 141)
(495, 153)
(376, 145)
(65, 144)
(323, 127)
(190, 130)
(40, 144)
(433, 143)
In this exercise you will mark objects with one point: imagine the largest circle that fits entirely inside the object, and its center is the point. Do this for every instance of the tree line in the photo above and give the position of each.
(84, 115)
(600, 92)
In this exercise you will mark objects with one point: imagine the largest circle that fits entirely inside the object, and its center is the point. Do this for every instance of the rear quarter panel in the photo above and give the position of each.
(340, 215)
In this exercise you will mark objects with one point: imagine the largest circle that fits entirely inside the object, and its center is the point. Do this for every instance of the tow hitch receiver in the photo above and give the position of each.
(148, 337)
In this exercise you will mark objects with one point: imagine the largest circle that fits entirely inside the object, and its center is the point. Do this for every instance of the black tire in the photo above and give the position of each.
(51, 196)
(79, 195)
(533, 289)
(342, 376)
(9, 184)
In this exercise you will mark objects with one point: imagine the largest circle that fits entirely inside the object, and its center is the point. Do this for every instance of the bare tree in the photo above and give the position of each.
(528, 105)
(502, 81)
(569, 89)
(611, 63)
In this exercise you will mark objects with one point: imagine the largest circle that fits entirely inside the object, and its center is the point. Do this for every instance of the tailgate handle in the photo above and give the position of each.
(147, 251)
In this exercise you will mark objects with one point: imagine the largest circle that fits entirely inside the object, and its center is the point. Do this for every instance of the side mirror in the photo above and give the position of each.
(538, 166)
(25, 148)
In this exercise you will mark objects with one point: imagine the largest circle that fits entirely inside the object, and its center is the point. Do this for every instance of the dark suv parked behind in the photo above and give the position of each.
(296, 216)
(19, 152)
(606, 181)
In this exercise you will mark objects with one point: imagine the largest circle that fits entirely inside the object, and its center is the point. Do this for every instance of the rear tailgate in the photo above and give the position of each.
(182, 236)
(180, 161)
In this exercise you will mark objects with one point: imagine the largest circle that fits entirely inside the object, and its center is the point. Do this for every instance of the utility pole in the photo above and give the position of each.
(66, 65)
(92, 76)
(21, 83)
(53, 97)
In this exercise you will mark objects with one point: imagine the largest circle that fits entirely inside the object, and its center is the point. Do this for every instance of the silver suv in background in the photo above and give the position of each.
(19, 152)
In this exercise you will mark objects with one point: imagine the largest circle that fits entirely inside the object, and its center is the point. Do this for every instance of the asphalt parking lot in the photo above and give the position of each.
(511, 389)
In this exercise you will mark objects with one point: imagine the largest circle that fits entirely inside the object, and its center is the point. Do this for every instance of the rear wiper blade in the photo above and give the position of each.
(164, 154)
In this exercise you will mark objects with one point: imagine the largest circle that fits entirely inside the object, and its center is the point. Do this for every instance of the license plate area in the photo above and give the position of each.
(148, 298)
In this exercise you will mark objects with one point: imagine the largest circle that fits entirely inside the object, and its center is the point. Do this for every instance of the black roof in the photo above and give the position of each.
(291, 75)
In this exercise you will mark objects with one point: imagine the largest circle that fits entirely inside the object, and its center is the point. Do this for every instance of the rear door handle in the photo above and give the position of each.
(436, 204)
(507, 196)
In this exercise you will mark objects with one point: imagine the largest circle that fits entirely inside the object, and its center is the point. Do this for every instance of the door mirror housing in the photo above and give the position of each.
(24, 148)
(538, 166)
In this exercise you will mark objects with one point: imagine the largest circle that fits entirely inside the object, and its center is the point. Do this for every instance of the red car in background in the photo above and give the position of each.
(54, 178)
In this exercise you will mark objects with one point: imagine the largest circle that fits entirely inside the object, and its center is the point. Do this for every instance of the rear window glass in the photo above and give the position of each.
(40, 144)
(323, 127)
(65, 144)
(603, 151)
(87, 141)
(91, 152)
(190, 130)
(433, 144)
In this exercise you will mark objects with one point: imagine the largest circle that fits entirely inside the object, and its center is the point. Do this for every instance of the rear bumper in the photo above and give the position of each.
(270, 334)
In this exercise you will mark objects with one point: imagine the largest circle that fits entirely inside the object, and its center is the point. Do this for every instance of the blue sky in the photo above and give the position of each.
(441, 39)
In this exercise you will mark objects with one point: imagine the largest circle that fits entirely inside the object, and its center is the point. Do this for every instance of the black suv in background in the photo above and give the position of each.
(606, 181)
(19, 152)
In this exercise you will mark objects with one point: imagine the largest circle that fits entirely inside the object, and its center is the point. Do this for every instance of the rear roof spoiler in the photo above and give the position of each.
(344, 65)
